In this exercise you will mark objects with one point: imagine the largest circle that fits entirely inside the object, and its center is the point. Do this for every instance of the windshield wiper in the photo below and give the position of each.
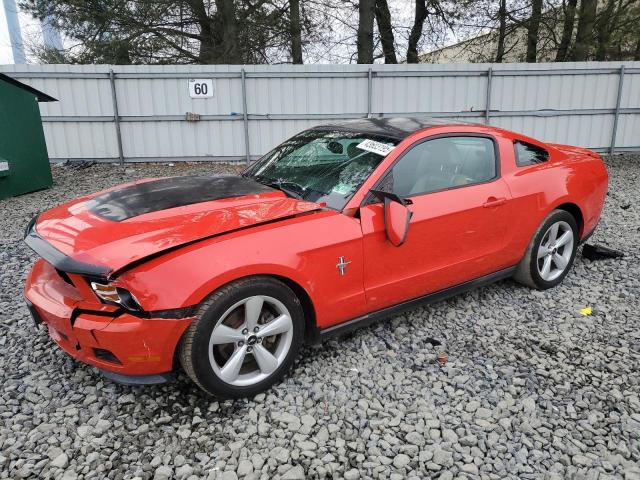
(291, 189)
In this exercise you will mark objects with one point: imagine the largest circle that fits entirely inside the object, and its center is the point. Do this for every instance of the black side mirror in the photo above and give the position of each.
(396, 216)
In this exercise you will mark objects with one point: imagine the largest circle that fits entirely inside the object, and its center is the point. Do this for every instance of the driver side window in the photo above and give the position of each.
(443, 163)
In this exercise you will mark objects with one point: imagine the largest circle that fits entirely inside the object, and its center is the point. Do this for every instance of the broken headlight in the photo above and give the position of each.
(116, 295)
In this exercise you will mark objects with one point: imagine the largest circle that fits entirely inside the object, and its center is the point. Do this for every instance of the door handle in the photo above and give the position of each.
(494, 202)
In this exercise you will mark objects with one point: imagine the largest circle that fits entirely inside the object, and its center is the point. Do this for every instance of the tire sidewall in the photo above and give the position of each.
(556, 216)
(205, 375)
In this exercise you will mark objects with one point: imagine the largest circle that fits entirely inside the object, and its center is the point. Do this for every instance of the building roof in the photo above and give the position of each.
(42, 97)
(392, 127)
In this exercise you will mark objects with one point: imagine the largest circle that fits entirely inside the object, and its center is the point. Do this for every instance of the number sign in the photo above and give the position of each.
(200, 88)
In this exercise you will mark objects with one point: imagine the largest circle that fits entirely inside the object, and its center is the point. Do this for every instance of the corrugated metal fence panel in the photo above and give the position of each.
(628, 136)
(565, 103)
(629, 124)
(81, 140)
(157, 95)
(326, 94)
(416, 94)
(172, 139)
(582, 130)
(553, 92)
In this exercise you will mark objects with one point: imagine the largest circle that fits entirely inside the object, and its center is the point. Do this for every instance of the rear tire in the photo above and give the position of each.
(550, 253)
(245, 337)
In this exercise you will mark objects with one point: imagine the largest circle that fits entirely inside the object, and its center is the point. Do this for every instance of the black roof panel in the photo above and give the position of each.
(394, 127)
(42, 97)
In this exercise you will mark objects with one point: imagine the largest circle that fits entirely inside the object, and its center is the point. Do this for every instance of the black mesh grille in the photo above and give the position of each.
(106, 355)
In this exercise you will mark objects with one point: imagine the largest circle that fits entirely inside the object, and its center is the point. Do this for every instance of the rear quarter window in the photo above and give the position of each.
(527, 154)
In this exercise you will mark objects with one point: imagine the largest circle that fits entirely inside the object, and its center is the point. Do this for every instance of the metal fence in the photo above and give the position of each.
(147, 113)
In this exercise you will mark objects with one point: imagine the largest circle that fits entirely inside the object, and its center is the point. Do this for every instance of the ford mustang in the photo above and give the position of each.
(339, 226)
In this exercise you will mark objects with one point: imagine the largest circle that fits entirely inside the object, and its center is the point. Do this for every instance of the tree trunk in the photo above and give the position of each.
(295, 31)
(567, 30)
(366, 10)
(604, 26)
(502, 32)
(229, 52)
(383, 19)
(416, 31)
(584, 35)
(636, 53)
(207, 52)
(533, 28)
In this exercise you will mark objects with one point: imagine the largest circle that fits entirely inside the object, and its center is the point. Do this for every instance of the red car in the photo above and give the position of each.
(339, 226)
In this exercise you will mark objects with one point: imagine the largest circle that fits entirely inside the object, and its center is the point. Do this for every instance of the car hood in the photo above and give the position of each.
(111, 229)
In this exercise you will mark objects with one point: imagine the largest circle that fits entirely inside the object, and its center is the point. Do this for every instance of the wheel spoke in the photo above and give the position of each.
(266, 361)
(553, 232)
(231, 369)
(278, 325)
(253, 309)
(543, 251)
(223, 334)
(546, 268)
(565, 238)
(560, 261)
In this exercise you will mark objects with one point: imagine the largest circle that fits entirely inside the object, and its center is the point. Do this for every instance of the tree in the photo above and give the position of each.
(296, 31)
(569, 13)
(584, 35)
(416, 31)
(385, 28)
(170, 31)
(533, 27)
(502, 30)
(272, 31)
(366, 10)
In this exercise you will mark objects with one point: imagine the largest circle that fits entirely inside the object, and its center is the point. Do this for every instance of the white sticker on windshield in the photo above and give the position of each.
(375, 147)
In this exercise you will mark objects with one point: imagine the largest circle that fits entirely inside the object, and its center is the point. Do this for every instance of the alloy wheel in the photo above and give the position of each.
(555, 250)
(251, 340)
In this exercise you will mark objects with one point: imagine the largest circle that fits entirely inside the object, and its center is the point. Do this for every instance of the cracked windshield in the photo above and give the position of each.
(322, 166)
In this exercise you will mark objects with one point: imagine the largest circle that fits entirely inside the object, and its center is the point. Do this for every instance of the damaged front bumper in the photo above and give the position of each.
(128, 348)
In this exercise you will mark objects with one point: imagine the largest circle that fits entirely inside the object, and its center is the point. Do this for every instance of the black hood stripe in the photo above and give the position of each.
(165, 193)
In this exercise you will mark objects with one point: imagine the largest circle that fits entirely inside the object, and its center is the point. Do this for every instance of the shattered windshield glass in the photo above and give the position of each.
(321, 165)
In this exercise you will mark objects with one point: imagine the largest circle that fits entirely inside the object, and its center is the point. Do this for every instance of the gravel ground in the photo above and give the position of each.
(532, 388)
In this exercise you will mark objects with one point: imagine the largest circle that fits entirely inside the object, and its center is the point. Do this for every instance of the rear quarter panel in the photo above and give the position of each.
(576, 176)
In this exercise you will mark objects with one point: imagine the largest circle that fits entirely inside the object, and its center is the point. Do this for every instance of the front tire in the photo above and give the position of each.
(551, 252)
(244, 339)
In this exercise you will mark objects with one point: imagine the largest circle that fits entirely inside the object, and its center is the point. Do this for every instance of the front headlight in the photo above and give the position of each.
(116, 295)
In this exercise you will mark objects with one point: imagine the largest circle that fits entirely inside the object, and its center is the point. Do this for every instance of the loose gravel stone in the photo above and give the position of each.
(401, 461)
(163, 473)
(532, 389)
(61, 461)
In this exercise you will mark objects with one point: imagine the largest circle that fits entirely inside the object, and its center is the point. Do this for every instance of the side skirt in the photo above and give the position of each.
(373, 317)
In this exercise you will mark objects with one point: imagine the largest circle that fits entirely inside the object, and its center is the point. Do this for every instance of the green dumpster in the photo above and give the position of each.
(24, 162)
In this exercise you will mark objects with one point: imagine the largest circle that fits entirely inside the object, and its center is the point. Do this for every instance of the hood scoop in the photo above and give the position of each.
(165, 193)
